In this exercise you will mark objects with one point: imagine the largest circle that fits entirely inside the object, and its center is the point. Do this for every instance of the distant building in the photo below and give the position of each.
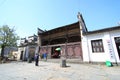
(27, 48)
(8, 51)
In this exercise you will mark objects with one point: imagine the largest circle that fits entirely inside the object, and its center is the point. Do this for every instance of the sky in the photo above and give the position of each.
(25, 16)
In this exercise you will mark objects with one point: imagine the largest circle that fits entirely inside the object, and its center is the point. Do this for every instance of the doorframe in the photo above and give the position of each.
(118, 52)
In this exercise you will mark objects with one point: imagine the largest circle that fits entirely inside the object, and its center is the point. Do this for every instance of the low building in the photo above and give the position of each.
(102, 45)
(27, 48)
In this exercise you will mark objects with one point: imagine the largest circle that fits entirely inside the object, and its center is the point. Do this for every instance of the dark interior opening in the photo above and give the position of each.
(117, 41)
(55, 53)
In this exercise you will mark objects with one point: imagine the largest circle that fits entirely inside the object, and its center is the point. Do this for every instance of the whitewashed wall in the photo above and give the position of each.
(108, 43)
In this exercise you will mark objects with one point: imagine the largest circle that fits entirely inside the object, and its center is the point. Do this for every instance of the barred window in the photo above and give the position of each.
(97, 46)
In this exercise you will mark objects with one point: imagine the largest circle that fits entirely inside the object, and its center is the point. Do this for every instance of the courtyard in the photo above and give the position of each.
(53, 71)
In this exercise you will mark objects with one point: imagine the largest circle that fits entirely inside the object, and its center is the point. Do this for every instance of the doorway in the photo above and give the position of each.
(117, 41)
(21, 55)
(55, 53)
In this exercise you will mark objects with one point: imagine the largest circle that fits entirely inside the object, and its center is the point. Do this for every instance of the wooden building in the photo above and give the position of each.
(67, 38)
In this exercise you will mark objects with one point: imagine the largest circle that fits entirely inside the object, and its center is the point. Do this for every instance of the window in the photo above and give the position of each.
(97, 46)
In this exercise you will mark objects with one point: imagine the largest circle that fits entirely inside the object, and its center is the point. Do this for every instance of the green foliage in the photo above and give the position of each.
(8, 37)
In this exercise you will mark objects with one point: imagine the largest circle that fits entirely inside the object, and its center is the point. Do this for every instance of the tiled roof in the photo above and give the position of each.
(102, 30)
(60, 28)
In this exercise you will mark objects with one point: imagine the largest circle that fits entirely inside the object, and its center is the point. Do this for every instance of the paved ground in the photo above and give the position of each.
(53, 71)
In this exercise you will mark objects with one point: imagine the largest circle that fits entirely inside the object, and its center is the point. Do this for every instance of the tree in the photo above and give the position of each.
(8, 38)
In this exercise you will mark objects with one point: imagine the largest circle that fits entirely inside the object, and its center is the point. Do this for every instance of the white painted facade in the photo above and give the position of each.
(110, 51)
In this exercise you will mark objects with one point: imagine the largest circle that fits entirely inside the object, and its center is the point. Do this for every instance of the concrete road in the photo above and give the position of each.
(53, 71)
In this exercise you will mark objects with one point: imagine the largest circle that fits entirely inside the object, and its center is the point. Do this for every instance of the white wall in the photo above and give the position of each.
(110, 51)
(85, 49)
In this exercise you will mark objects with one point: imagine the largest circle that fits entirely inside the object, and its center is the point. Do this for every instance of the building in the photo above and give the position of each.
(102, 45)
(67, 38)
(76, 42)
(27, 48)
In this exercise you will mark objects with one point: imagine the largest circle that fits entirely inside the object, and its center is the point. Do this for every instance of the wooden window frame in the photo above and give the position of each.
(97, 46)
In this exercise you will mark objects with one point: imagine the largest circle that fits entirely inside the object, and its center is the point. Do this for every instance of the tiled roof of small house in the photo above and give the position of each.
(102, 30)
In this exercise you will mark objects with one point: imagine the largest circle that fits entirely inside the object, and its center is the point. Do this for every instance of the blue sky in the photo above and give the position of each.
(28, 15)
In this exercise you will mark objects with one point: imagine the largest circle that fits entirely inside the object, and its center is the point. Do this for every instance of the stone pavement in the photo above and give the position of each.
(53, 71)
